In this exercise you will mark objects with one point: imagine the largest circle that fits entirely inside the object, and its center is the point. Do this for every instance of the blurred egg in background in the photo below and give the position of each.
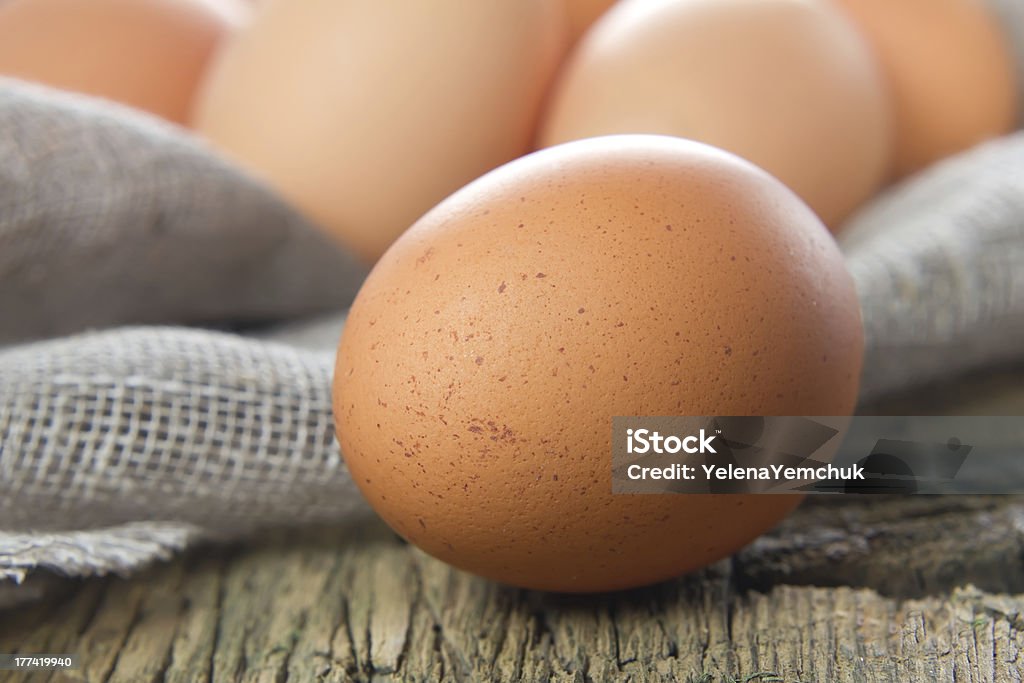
(950, 74)
(148, 54)
(787, 84)
(365, 114)
(583, 13)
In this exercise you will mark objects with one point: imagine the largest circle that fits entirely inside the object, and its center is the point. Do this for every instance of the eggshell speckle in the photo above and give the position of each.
(490, 347)
(787, 84)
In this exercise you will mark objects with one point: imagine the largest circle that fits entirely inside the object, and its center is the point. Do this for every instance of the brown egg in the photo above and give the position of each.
(786, 84)
(950, 74)
(486, 354)
(365, 114)
(583, 13)
(148, 54)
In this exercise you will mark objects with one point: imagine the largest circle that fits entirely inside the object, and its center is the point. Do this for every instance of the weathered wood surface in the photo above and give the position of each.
(901, 589)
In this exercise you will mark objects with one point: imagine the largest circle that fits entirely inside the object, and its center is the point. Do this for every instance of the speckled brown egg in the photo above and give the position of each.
(488, 350)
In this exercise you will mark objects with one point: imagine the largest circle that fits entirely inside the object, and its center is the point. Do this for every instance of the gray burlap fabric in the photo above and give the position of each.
(939, 265)
(154, 435)
(124, 445)
(111, 217)
(108, 216)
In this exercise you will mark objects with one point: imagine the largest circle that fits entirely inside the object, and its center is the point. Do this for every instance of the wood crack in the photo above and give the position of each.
(133, 621)
(165, 665)
(94, 609)
(293, 640)
(217, 624)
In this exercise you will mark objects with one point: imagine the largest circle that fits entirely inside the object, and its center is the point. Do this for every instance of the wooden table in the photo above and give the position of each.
(846, 589)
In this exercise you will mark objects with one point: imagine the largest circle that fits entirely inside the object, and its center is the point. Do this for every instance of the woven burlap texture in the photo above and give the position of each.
(156, 434)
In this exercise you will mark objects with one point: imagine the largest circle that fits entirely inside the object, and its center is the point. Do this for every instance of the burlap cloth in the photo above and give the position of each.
(122, 445)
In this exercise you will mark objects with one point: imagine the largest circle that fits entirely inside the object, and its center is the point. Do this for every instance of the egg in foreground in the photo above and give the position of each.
(489, 348)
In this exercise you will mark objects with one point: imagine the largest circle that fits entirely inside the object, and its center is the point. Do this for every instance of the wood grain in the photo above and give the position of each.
(906, 589)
